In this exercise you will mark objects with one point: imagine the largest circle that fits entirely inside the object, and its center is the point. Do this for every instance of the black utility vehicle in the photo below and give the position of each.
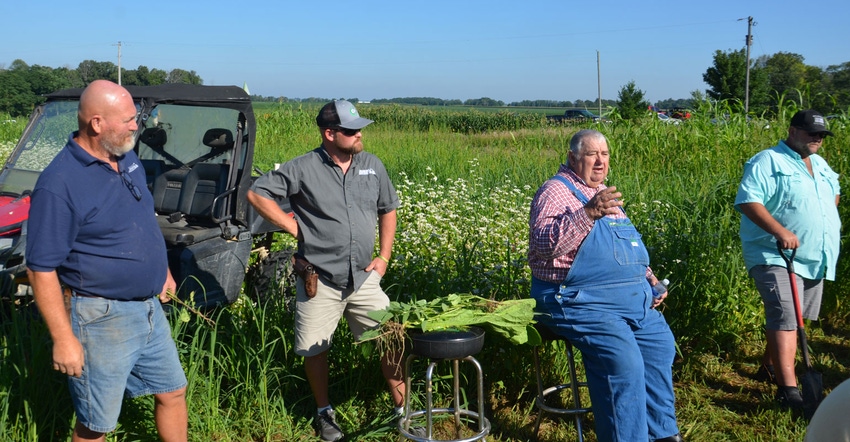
(576, 115)
(196, 144)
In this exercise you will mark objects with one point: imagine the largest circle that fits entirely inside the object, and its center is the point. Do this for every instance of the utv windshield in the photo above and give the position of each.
(48, 135)
(181, 135)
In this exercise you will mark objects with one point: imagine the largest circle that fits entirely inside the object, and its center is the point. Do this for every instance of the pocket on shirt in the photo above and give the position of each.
(367, 190)
(831, 179)
(789, 186)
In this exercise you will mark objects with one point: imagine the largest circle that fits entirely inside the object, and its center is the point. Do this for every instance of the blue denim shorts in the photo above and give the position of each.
(128, 351)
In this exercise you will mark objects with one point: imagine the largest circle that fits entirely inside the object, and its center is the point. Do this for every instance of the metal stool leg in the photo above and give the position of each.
(457, 411)
(540, 402)
(574, 386)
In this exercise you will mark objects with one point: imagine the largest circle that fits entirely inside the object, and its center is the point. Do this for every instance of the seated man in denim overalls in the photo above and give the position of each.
(593, 285)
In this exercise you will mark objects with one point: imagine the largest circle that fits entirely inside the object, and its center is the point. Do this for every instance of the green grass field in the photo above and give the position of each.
(466, 179)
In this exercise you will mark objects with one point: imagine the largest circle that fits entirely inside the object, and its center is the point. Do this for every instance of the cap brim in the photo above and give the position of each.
(358, 123)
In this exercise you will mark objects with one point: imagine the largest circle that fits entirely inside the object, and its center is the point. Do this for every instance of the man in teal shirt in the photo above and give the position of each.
(789, 196)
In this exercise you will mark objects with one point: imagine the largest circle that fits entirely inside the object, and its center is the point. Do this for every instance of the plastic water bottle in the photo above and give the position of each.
(660, 288)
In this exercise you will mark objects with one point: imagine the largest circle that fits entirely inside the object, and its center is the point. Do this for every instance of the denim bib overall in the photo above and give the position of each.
(603, 307)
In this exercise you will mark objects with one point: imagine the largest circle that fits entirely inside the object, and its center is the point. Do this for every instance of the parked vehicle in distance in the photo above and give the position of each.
(196, 144)
(666, 119)
(679, 113)
(576, 115)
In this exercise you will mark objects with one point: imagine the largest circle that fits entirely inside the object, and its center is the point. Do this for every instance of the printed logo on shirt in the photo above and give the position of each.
(368, 172)
(132, 167)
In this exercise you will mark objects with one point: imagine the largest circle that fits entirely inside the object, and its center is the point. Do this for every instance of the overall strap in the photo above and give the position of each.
(572, 188)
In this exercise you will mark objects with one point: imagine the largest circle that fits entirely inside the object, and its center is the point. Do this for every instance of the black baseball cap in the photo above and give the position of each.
(810, 121)
(341, 114)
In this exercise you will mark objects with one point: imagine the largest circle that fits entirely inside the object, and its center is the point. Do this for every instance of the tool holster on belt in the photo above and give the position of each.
(307, 272)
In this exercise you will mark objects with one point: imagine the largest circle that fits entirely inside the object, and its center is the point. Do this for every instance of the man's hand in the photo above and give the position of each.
(786, 239)
(605, 202)
(169, 288)
(377, 265)
(68, 356)
(657, 301)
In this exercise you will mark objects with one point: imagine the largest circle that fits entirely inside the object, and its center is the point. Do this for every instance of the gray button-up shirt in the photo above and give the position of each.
(337, 213)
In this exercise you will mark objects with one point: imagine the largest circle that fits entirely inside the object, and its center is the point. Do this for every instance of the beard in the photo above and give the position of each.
(116, 146)
(354, 148)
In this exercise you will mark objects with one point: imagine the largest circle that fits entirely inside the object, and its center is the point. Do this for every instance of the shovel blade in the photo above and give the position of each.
(812, 389)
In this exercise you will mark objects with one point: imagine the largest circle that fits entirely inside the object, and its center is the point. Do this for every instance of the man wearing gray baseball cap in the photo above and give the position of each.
(339, 195)
(788, 197)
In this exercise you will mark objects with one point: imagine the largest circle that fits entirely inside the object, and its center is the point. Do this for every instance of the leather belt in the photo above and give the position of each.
(68, 292)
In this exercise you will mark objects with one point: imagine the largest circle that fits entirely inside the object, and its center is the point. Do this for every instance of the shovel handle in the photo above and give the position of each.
(789, 263)
(789, 260)
(812, 385)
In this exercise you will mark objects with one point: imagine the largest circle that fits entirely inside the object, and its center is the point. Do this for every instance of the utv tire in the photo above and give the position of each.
(271, 277)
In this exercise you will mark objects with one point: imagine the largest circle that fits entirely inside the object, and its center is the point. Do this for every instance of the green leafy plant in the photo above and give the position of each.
(511, 319)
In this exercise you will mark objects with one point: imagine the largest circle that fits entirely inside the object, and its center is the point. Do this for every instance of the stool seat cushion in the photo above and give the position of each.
(448, 344)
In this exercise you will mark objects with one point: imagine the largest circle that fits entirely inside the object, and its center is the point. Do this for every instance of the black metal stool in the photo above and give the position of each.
(453, 346)
(577, 411)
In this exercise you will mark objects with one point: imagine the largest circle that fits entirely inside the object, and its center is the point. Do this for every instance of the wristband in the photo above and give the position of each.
(383, 259)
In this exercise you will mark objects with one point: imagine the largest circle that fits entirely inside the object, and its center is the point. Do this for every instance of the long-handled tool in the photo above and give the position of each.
(812, 381)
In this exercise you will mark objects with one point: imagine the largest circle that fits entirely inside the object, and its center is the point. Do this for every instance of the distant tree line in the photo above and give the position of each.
(579, 103)
(670, 103)
(431, 101)
(422, 101)
(775, 79)
(22, 86)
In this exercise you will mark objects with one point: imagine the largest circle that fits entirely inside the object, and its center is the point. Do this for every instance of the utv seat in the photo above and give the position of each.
(167, 189)
(190, 201)
(202, 185)
(193, 218)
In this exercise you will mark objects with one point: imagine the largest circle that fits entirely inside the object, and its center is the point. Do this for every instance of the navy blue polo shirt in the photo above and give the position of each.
(86, 223)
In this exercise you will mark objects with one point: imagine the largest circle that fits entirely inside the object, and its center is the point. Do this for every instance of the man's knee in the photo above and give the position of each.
(171, 398)
(82, 432)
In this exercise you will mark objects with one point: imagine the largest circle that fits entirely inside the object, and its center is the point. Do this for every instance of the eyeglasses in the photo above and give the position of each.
(818, 135)
(348, 132)
(129, 183)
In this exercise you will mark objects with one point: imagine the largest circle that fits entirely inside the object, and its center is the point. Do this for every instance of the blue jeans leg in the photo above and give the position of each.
(626, 366)
(657, 346)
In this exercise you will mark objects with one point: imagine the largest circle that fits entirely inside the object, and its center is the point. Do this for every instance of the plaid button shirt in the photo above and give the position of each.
(558, 225)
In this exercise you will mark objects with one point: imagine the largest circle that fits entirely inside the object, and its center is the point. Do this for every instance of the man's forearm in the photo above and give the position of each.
(386, 233)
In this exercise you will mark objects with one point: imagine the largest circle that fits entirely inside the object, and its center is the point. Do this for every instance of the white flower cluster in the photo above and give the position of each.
(461, 236)
(6, 148)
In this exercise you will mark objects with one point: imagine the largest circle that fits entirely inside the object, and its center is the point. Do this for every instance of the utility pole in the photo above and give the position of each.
(599, 84)
(749, 42)
(119, 62)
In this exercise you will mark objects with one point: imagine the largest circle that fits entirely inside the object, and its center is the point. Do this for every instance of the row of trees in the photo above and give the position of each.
(774, 79)
(777, 78)
(22, 85)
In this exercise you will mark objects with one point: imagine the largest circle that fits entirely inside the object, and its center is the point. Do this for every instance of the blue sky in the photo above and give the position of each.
(509, 51)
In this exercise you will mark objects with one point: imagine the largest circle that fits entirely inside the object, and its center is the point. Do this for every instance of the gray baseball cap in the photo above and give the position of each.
(341, 113)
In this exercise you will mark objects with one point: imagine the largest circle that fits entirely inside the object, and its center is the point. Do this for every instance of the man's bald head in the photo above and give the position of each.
(100, 98)
(106, 117)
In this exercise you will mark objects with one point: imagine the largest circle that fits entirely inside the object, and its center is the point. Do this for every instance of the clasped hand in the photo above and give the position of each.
(606, 202)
